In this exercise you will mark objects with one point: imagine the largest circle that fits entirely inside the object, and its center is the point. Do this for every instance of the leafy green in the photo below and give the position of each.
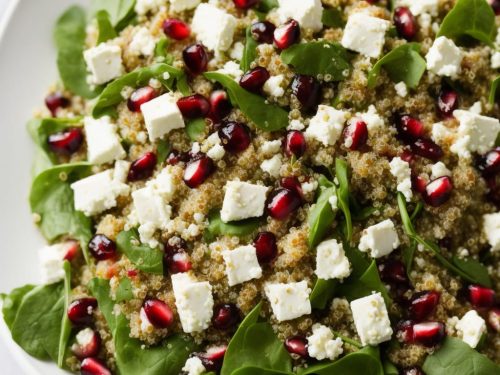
(457, 358)
(389, 368)
(161, 51)
(403, 64)
(121, 12)
(216, 227)
(65, 322)
(12, 301)
(493, 90)
(162, 150)
(266, 116)
(342, 174)
(470, 18)
(267, 5)
(142, 256)
(250, 51)
(333, 17)
(106, 30)
(124, 290)
(195, 129)
(330, 60)
(322, 293)
(321, 214)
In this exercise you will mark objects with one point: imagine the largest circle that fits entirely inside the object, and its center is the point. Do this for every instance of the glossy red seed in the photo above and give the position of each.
(409, 128)
(295, 143)
(213, 358)
(494, 319)
(55, 101)
(265, 246)
(407, 156)
(142, 168)
(93, 366)
(495, 4)
(158, 313)
(282, 203)
(245, 4)
(423, 304)
(225, 316)
(179, 262)
(428, 333)
(132, 273)
(194, 106)
(480, 296)
(174, 157)
(80, 310)
(418, 183)
(405, 23)
(102, 248)
(254, 79)
(427, 149)
(287, 34)
(292, 183)
(404, 331)
(447, 102)
(355, 135)
(220, 105)
(139, 97)
(438, 191)
(413, 371)
(393, 272)
(196, 58)
(235, 136)
(198, 170)
(176, 29)
(297, 345)
(66, 142)
(89, 347)
(263, 32)
(307, 90)
(72, 250)
(489, 163)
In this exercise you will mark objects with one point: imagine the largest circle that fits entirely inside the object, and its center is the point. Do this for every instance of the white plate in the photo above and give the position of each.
(27, 68)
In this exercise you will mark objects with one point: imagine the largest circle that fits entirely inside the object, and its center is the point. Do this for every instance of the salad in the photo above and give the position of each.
(243, 187)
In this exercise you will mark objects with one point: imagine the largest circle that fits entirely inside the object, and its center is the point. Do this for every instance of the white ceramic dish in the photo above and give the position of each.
(27, 68)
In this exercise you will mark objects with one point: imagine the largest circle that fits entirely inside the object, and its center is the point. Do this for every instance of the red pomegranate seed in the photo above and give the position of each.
(295, 143)
(235, 136)
(287, 34)
(438, 191)
(355, 135)
(66, 142)
(307, 90)
(102, 248)
(494, 319)
(297, 345)
(174, 157)
(282, 203)
(418, 183)
(265, 244)
(93, 366)
(413, 371)
(80, 310)
(87, 344)
(176, 29)
(405, 23)
(220, 105)
(393, 272)
(254, 79)
(179, 262)
(423, 305)
(428, 149)
(407, 156)
(194, 106)
(489, 163)
(158, 313)
(139, 97)
(196, 58)
(428, 333)
(480, 296)
(292, 183)
(55, 101)
(263, 32)
(409, 128)
(198, 170)
(72, 250)
(226, 316)
(213, 358)
(493, 183)
(447, 102)
(142, 168)
(245, 4)
(404, 331)
(132, 273)
(495, 4)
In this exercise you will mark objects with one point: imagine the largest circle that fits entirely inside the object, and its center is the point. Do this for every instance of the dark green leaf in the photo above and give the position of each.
(475, 269)
(162, 150)
(65, 322)
(142, 256)
(104, 27)
(266, 5)
(195, 129)
(342, 174)
(493, 90)
(161, 51)
(322, 293)
(390, 369)
(408, 254)
(321, 216)
(216, 227)
(12, 301)
(333, 18)
(124, 290)
(357, 259)
(250, 51)
(120, 11)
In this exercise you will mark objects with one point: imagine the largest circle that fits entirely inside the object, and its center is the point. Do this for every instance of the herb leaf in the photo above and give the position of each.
(342, 174)
(493, 90)
(124, 290)
(217, 227)
(142, 256)
(106, 30)
(321, 215)
(322, 293)
(120, 11)
(65, 322)
(250, 51)
(162, 150)
(12, 301)
(195, 129)
(333, 18)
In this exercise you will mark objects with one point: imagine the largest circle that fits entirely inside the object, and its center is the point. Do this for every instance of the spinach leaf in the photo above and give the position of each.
(216, 227)
(161, 51)
(493, 90)
(12, 301)
(321, 214)
(65, 322)
(250, 51)
(408, 255)
(120, 11)
(342, 174)
(266, 116)
(357, 259)
(389, 368)
(124, 290)
(266, 5)
(457, 358)
(162, 150)
(106, 30)
(195, 129)
(470, 18)
(403, 63)
(330, 60)
(322, 293)
(142, 256)
(333, 17)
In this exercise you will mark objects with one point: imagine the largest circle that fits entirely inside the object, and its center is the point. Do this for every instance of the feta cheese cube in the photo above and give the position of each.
(214, 27)
(270, 147)
(164, 184)
(161, 116)
(237, 51)
(401, 89)
(216, 152)
(121, 170)
(289, 301)
(143, 43)
(241, 264)
(381, 239)
(272, 86)
(331, 262)
(104, 63)
(402, 171)
(327, 125)
(51, 260)
(491, 228)
(272, 166)
(103, 144)
(322, 345)
(439, 170)
(365, 34)
(143, 7)
(495, 60)
(231, 69)
(371, 319)
(372, 119)
(306, 12)
(242, 201)
(151, 212)
(471, 327)
(194, 302)
(440, 133)
(194, 366)
(476, 108)
(444, 58)
(420, 7)
(182, 5)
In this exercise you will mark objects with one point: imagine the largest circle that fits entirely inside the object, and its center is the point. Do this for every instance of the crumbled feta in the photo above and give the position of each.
(306, 12)
(418, 7)
(217, 152)
(272, 86)
(270, 147)
(440, 133)
(104, 63)
(333, 200)
(476, 133)
(103, 144)
(309, 186)
(242, 201)
(84, 337)
(491, 228)
(142, 7)
(321, 344)
(401, 89)
(371, 319)
(143, 43)
(164, 184)
(365, 34)
(327, 125)
(289, 301)
(471, 327)
(182, 5)
(213, 27)
(295, 125)
(476, 108)
(194, 366)
(402, 171)
(495, 60)
(161, 116)
(51, 260)
(331, 262)
(121, 170)
(241, 264)
(236, 53)
(444, 58)
(272, 166)
(439, 170)
(231, 69)
(372, 119)
(381, 239)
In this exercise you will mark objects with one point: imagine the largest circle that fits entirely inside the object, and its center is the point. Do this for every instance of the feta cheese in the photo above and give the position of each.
(231, 69)
(327, 125)
(309, 186)
(104, 63)
(495, 60)
(372, 119)
(272, 166)
(331, 262)
(236, 52)
(365, 34)
(143, 43)
(440, 133)
(401, 89)
(213, 27)
(381, 239)
(270, 147)
(194, 302)
(83, 338)
(272, 86)
(164, 184)
(371, 319)
(444, 58)
(289, 301)
(242, 201)
(420, 7)
(322, 345)
(295, 125)
(476, 108)
(439, 170)
(217, 152)
(333, 200)
(121, 170)
(103, 144)
(471, 327)
(306, 12)
(161, 116)
(142, 7)
(241, 264)
(491, 228)
(194, 366)
(182, 5)
(51, 260)
(402, 171)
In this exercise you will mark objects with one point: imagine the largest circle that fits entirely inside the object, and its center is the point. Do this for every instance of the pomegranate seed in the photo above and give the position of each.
(355, 135)
(409, 128)
(194, 106)
(80, 310)
(371, 1)
(158, 313)
(93, 366)
(447, 102)
(196, 58)
(418, 183)
(245, 4)
(404, 331)
(405, 23)
(287, 34)
(489, 163)
(174, 157)
(254, 79)
(226, 316)
(428, 333)
(132, 273)
(198, 170)
(480, 296)
(282, 203)
(495, 4)
(297, 345)
(176, 29)
(176, 257)
(423, 304)
(413, 371)
(295, 143)
(428, 149)
(55, 101)
(263, 32)
(292, 183)
(393, 272)
(407, 156)
(142, 168)
(220, 105)
(66, 142)
(494, 319)
(438, 191)
(493, 183)
(72, 250)
(265, 244)
(213, 358)
(307, 90)
(87, 344)
(102, 248)
(235, 136)
(139, 97)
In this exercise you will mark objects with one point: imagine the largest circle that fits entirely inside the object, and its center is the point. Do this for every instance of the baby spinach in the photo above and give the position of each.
(142, 256)
(161, 51)
(403, 63)
(321, 214)
(195, 129)
(124, 291)
(330, 60)
(104, 26)
(470, 18)
(250, 50)
(162, 150)
(333, 18)
(12, 301)
(266, 116)
(267, 5)
(493, 90)
(389, 368)
(322, 293)
(65, 322)
(121, 12)
(457, 358)
(216, 227)
(342, 174)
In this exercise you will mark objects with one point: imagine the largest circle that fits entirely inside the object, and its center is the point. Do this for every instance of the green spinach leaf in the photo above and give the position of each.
(124, 291)
(267, 5)
(142, 256)
(121, 12)
(389, 368)
(322, 293)
(162, 150)
(493, 90)
(342, 174)
(321, 214)
(12, 301)
(333, 17)
(250, 51)
(104, 26)
(216, 227)
(161, 51)
(65, 322)
(195, 129)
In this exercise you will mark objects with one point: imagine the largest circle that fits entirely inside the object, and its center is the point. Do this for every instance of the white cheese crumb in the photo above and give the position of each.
(306, 12)
(322, 345)
(401, 89)
(327, 125)
(331, 261)
(401, 170)
(104, 62)
(371, 319)
(381, 239)
(272, 87)
(194, 366)
(491, 228)
(143, 43)
(476, 133)
(289, 301)
(214, 27)
(439, 170)
(272, 166)
(365, 34)
(444, 58)
(471, 328)
(243, 200)
(241, 264)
